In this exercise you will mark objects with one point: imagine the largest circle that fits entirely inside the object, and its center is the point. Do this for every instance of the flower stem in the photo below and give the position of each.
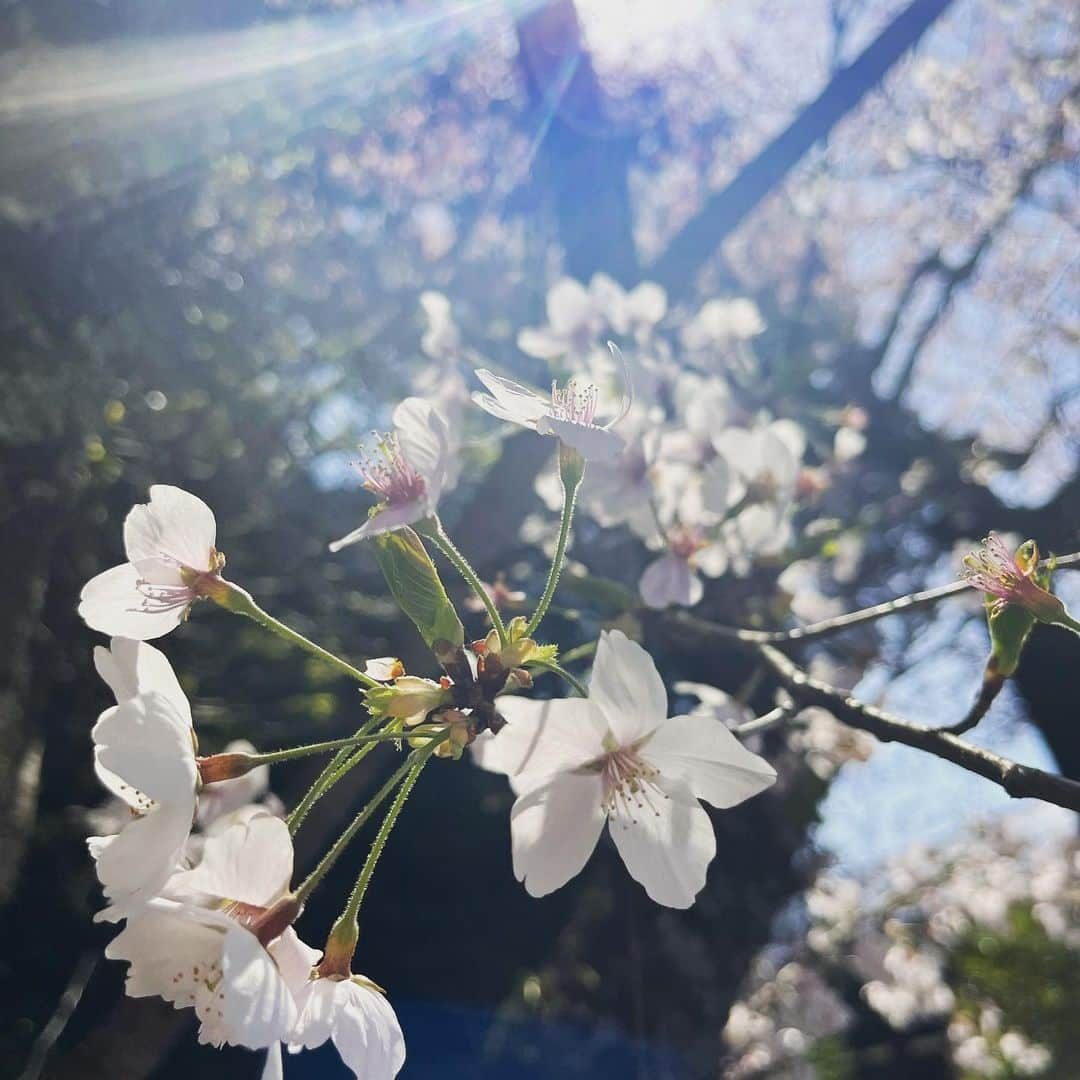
(272, 757)
(571, 470)
(558, 669)
(442, 541)
(356, 897)
(338, 766)
(241, 601)
(417, 757)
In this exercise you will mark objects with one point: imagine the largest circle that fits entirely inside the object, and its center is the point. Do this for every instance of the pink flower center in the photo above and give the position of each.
(388, 474)
(574, 402)
(683, 541)
(630, 785)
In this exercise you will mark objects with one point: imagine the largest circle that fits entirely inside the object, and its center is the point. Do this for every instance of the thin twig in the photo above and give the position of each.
(762, 723)
(69, 1001)
(878, 611)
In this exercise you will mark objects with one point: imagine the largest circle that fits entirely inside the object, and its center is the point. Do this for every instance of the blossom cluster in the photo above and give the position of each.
(701, 472)
(901, 938)
(209, 912)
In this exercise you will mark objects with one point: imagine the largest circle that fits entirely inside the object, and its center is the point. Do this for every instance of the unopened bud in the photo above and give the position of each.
(339, 950)
(278, 918)
(218, 767)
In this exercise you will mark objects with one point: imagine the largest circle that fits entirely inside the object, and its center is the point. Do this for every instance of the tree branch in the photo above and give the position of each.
(842, 622)
(724, 211)
(1020, 781)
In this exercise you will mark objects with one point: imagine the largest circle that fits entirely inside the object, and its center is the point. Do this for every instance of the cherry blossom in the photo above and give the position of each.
(575, 319)
(354, 1014)
(617, 757)
(720, 323)
(196, 945)
(673, 578)
(569, 414)
(407, 470)
(144, 754)
(172, 562)
(1011, 579)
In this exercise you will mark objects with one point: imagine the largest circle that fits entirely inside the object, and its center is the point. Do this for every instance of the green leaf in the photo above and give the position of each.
(416, 586)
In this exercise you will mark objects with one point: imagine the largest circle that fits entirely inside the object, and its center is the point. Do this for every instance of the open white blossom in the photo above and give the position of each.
(673, 578)
(617, 757)
(719, 323)
(407, 469)
(357, 1018)
(195, 946)
(169, 543)
(575, 320)
(144, 754)
(569, 414)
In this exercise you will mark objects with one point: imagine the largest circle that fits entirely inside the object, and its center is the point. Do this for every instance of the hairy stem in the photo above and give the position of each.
(342, 842)
(442, 541)
(241, 601)
(571, 470)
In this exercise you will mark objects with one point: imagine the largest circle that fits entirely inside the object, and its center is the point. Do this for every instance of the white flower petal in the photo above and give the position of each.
(424, 438)
(592, 442)
(569, 306)
(712, 560)
(716, 486)
(250, 861)
(259, 1011)
(147, 742)
(647, 303)
(317, 1007)
(554, 829)
(168, 952)
(541, 343)
(273, 1069)
(367, 1033)
(668, 847)
(670, 580)
(627, 686)
(131, 667)
(112, 604)
(541, 738)
(133, 865)
(709, 759)
(516, 402)
(174, 523)
(294, 959)
(384, 521)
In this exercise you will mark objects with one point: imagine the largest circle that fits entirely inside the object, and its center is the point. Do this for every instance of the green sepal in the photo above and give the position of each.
(415, 585)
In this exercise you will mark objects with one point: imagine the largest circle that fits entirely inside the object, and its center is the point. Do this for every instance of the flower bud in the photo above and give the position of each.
(409, 698)
(218, 767)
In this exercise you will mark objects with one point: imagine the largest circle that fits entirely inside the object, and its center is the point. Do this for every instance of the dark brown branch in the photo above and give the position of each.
(1020, 781)
(725, 211)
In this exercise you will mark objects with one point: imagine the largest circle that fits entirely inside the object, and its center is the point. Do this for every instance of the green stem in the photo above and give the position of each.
(571, 470)
(558, 669)
(272, 757)
(442, 541)
(239, 600)
(330, 776)
(352, 909)
(578, 652)
(417, 757)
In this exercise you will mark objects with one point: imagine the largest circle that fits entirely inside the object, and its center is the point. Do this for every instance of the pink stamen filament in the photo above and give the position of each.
(389, 475)
(629, 784)
(574, 403)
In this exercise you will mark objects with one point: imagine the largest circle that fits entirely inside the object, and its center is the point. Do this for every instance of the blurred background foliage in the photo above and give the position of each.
(216, 224)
